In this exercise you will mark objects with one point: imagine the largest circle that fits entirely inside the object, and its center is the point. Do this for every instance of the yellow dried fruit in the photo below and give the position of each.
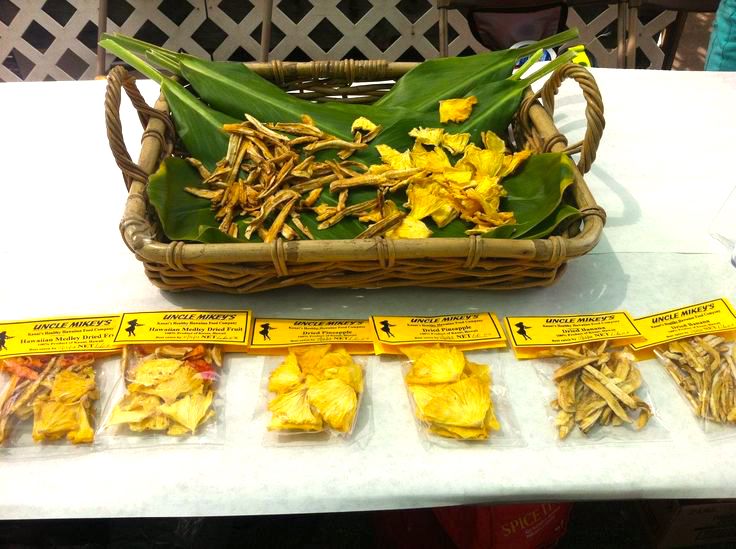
(396, 160)
(183, 380)
(455, 142)
(351, 374)
(154, 371)
(291, 411)
(69, 386)
(286, 376)
(309, 356)
(84, 432)
(428, 136)
(134, 408)
(53, 419)
(190, 411)
(435, 364)
(362, 124)
(335, 401)
(410, 227)
(463, 403)
(457, 110)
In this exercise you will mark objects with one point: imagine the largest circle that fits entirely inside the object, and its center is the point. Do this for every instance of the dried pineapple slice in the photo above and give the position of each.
(184, 380)
(335, 401)
(69, 386)
(428, 136)
(189, 411)
(351, 374)
(152, 372)
(457, 110)
(463, 404)
(455, 142)
(309, 356)
(134, 407)
(291, 411)
(286, 376)
(410, 227)
(362, 124)
(434, 364)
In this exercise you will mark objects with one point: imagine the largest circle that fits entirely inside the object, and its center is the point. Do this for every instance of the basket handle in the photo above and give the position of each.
(593, 112)
(120, 79)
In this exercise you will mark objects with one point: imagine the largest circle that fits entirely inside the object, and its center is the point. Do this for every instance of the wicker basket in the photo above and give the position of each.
(470, 263)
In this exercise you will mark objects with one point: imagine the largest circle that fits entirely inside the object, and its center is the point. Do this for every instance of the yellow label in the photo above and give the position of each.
(530, 335)
(217, 327)
(279, 333)
(468, 331)
(699, 319)
(79, 334)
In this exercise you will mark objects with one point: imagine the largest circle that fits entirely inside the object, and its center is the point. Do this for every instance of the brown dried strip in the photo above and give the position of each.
(297, 220)
(334, 144)
(386, 224)
(278, 223)
(339, 215)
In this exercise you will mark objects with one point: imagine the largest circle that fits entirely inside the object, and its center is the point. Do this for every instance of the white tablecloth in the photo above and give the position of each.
(663, 170)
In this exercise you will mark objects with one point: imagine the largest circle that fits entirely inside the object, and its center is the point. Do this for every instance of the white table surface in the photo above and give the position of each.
(663, 170)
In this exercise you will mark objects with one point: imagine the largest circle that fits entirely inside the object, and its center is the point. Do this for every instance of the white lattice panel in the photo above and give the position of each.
(55, 39)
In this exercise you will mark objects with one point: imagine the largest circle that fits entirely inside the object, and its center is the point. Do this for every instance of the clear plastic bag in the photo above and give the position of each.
(48, 404)
(165, 394)
(576, 380)
(704, 371)
(314, 395)
(458, 399)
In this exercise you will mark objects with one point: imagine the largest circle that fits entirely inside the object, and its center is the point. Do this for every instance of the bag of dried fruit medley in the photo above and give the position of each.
(166, 394)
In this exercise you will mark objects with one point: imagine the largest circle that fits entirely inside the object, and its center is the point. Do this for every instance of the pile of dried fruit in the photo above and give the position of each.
(170, 389)
(451, 394)
(596, 386)
(316, 387)
(705, 369)
(57, 390)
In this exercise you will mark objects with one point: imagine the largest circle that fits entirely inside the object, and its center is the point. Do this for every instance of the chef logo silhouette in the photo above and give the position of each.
(3, 338)
(265, 329)
(522, 330)
(132, 325)
(386, 328)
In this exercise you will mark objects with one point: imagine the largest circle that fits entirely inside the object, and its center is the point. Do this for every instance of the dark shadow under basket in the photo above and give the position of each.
(470, 263)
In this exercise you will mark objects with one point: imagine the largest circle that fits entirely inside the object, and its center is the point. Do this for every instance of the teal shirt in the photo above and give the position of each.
(722, 47)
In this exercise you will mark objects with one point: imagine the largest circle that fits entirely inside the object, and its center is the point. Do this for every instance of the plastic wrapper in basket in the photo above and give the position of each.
(470, 263)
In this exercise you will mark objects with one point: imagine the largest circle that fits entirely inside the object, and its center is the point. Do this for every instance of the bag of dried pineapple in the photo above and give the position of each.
(592, 381)
(315, 394)
(49, 374)
(455, 399)
(168, 387)
(696, 347)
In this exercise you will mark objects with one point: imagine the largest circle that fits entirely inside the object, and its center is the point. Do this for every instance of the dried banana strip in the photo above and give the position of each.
(597, 387)
(704, 370)
(269, 174)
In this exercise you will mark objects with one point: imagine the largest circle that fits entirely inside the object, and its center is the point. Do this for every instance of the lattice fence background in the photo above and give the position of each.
(56, 39)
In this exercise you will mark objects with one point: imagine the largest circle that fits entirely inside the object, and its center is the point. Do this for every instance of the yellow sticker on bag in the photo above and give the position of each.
(229, 328)
(465, 331)
(78, 334)
(275, 335)
(531, 335)
(716, 316)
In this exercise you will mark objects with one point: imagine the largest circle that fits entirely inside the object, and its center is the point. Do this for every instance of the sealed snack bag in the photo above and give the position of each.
(450, 395)
(695, 345)
(168, 389)
(598, 387)
(57, 391)
(315, 389)
(170, 376)
(48, 378)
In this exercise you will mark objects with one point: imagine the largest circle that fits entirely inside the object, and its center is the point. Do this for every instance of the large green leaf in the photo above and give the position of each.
(534, 193)
(198, 126)
(447, 77)
(183, 216)
(565, 213)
